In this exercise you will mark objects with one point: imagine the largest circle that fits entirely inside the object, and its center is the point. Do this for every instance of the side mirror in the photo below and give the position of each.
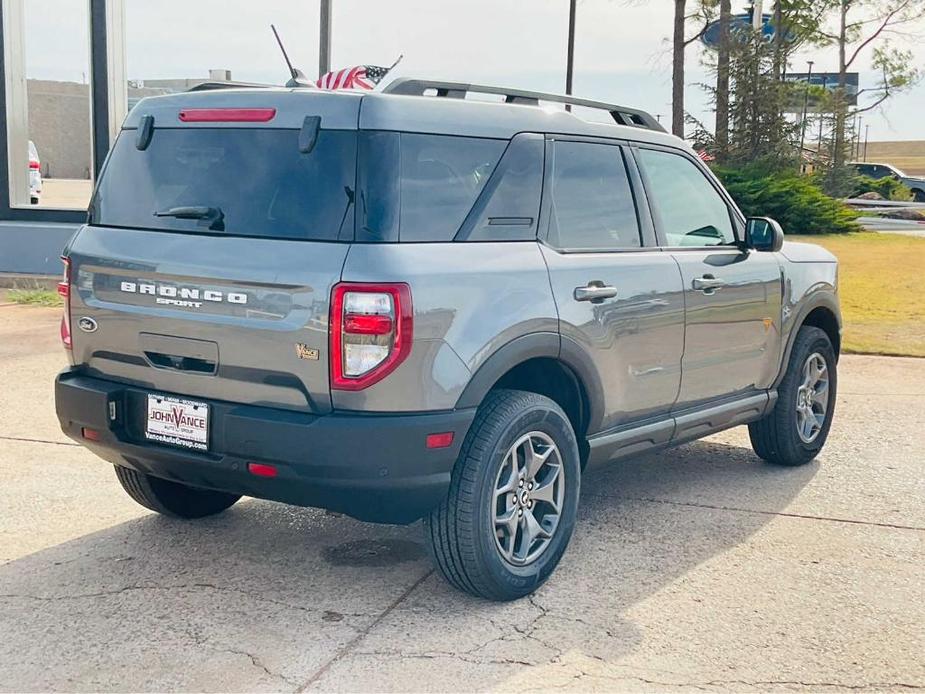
(763, 234)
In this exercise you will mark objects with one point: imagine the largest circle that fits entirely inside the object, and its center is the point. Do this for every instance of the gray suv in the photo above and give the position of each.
(413, 305)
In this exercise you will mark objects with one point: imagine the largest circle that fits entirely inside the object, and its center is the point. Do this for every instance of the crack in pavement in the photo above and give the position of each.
(28, 440)
(714, 507)
(362, 633)
(259, 597)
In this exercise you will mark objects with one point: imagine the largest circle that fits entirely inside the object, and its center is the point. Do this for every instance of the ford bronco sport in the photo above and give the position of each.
(410, 305)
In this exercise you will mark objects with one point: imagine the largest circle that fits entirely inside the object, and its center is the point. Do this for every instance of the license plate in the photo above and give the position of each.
(177, 422)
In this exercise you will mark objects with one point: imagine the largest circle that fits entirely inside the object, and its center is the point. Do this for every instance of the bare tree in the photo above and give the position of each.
(879, 19)
(677, 68)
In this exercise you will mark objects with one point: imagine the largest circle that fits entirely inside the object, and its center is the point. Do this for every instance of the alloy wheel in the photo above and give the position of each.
(528, 496)
(812, 398)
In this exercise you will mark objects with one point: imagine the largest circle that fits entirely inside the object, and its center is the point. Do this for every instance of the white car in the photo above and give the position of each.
(35, 174)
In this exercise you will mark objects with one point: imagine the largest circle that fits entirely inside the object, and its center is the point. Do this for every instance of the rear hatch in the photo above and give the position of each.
(219, 225)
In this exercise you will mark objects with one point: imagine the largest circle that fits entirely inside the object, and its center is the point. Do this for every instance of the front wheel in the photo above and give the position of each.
(513, 498)
(796, 429)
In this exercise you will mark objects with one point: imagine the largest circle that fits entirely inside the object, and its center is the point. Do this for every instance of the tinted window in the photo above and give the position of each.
(441, 176)
(510, 204)
(257, 178)
(688, 209)
(592, 203)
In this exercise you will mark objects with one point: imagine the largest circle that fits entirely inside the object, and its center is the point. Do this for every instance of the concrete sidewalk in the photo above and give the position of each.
(695, 568)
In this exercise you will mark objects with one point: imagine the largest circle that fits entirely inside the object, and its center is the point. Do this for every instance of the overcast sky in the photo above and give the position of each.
(622, 52)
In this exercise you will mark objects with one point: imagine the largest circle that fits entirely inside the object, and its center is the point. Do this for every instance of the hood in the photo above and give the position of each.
(797, 252)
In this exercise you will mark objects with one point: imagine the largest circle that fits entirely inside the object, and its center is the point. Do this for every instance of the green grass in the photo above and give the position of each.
(882, 291)
(34, 297)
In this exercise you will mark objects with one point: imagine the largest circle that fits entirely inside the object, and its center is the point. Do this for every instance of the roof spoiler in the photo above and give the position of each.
(622, 115)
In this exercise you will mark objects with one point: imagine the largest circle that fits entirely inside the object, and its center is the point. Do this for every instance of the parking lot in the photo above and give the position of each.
(693, 568)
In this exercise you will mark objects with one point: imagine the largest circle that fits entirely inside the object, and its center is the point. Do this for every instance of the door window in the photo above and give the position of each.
(592, 204)
(688, 209)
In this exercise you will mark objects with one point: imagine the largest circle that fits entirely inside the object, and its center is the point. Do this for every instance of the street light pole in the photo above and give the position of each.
(821, 119)
(570, 57)
(324, 39)
(866, 132)
(857, 138)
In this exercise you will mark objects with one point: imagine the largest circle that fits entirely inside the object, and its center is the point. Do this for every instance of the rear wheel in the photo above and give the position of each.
(795, 431)
(511, 507)
(172, 498)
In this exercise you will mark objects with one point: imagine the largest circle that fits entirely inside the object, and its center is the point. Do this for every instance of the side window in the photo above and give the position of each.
(509, 206)
(441, 176)
(687, 208)
(591, 205)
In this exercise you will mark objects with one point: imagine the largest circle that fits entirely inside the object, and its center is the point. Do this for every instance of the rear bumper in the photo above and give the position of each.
(374, 467)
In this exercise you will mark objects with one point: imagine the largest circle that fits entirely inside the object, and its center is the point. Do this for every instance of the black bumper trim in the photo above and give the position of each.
(374, 467)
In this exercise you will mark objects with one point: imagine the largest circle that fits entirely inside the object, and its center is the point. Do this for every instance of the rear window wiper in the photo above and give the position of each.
(211, 217)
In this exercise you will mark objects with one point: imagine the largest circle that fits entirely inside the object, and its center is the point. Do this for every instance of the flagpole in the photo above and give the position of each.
(324, 39)
(570, 58)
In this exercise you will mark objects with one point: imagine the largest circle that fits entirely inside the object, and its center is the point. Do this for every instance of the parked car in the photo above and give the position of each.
(35, 175)
(400, 306)
(877, 170)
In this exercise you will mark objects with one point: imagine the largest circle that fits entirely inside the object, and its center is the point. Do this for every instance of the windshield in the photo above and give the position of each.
(255, 180)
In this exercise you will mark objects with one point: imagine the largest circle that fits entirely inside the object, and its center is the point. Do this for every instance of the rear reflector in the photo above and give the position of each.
(33, 164)
(442, 440)
(261, 470)
(227, 115)
(90, 434)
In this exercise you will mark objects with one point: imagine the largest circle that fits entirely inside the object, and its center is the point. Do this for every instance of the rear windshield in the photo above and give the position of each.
(236, 181)
(368, 186)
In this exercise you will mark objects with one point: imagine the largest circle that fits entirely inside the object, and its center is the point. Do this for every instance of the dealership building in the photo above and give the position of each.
(63, 109)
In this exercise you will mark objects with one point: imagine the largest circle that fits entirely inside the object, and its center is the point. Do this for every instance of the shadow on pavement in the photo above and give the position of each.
(264, 595)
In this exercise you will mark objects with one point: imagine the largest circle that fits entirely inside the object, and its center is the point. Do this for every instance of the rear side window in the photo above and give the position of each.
(509, 206)
(688, 209)
(256, 178)
(416, 187)
(592, 205)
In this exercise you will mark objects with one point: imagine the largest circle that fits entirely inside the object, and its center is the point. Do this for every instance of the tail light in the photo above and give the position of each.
(64, 291)
(371, 332)
(33, 164)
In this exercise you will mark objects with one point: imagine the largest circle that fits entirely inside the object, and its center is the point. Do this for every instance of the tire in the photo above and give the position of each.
(470, 549)
(172, 498)
(777, 437)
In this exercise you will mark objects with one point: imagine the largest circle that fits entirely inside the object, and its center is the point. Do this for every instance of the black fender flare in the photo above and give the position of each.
(822, 299)
(532, 346)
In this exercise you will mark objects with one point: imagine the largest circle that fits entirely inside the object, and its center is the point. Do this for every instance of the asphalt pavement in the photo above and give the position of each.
(698, 568)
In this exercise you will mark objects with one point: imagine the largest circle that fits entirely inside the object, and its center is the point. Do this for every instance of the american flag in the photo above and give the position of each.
(357, 77)
(705, 155)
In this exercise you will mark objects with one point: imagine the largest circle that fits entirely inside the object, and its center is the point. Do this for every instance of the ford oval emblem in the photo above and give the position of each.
(87, 324)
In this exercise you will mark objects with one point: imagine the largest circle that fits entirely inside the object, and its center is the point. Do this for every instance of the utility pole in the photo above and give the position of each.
(866, 132)
(570, 56)
(809, 81)
(324, 39)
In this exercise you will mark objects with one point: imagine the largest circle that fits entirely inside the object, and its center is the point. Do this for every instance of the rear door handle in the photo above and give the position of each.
(595, 292)
(708, 283)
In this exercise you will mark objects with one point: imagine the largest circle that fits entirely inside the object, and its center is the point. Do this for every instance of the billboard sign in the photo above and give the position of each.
(820, 80)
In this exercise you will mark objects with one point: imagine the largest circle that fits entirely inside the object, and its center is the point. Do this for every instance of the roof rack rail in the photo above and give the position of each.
(209, 86)
(623, 115)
